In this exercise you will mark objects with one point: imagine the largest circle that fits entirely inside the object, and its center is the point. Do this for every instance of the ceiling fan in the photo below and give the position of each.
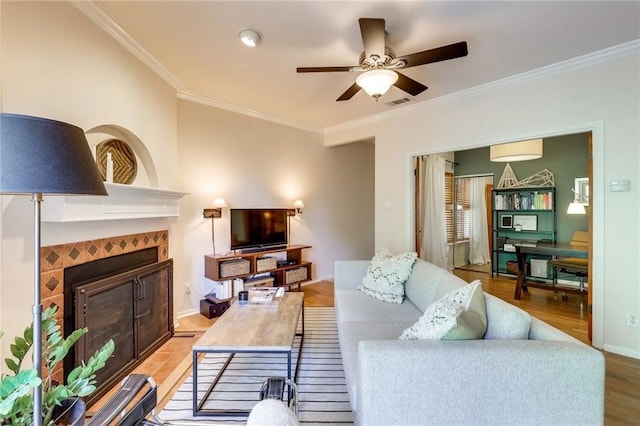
(379, 64)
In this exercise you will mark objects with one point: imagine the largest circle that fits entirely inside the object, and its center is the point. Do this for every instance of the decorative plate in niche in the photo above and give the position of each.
(125, 167)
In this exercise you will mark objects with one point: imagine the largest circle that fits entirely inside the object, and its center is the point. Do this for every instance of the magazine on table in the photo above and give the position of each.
(265, 295)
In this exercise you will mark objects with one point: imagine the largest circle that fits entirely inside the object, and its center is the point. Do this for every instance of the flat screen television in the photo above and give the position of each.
(258, 228)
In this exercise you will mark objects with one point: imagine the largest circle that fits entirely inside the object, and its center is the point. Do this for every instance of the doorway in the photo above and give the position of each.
(557, 149)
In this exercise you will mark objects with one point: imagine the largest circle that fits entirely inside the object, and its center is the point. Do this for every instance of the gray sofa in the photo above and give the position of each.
(524, 372)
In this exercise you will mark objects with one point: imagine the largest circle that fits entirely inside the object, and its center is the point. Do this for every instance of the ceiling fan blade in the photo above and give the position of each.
(324, 69)
(372, 30)
(451, 51)
(409, 85)
(351, 91)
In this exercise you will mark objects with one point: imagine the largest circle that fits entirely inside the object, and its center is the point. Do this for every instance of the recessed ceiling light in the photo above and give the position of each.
(249, 37)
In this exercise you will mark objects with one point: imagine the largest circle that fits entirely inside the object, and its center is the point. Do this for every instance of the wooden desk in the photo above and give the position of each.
(522, 251)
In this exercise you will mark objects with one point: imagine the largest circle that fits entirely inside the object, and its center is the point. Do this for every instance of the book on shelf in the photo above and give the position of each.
(225, 289)
(238, 286)
(535, 200)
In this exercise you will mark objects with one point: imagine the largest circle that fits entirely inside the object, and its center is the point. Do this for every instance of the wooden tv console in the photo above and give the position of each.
(290, 275)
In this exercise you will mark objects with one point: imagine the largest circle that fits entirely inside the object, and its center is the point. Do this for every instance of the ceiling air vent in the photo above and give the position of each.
(399, 101)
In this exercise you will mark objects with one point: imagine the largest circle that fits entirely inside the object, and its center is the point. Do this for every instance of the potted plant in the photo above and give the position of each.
(16, 398)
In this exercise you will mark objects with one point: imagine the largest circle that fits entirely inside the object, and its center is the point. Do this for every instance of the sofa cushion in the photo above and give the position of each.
(351, 334)
(353, 305)
(387, 274)
(459, 315)
(421, 285)
(429, 283)
(505, 321)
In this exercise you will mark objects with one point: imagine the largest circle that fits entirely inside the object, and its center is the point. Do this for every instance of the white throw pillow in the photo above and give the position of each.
(458, 315)
(387, 274)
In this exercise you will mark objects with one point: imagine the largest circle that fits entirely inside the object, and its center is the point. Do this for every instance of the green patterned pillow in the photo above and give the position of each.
(387, 274)
(459, 315)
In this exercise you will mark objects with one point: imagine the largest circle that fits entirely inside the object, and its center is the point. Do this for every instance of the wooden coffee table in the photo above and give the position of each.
(250, 329)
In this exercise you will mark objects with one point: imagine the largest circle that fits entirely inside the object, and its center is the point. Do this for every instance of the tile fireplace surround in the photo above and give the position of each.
(54, 259)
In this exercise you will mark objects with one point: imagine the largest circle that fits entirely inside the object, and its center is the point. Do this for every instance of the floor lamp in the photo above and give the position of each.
(40, 156)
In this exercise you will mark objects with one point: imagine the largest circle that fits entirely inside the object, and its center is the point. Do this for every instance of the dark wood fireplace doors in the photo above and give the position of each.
(133, 308)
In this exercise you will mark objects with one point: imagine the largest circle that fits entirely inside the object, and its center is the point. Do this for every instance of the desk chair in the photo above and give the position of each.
(574, 265)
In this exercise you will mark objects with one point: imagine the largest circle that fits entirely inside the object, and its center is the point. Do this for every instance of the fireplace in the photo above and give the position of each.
(120, 288)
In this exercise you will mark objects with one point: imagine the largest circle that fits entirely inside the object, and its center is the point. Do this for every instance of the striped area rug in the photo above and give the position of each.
(322, 392)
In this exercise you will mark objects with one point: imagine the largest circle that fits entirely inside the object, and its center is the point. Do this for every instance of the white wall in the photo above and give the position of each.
(58, 64)
(254, 163)
(601, 95)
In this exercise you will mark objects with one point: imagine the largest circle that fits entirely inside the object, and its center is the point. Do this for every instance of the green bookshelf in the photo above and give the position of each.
(521, 216)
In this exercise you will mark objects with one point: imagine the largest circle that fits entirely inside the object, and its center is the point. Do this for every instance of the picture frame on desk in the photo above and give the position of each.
(525, 222)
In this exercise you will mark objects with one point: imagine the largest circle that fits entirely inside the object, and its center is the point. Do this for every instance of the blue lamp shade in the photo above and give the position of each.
(42, 156)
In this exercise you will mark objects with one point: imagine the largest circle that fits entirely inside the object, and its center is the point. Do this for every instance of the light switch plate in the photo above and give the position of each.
(619, 185)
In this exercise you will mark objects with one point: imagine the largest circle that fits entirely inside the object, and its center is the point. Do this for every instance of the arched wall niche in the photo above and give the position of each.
(138, 147)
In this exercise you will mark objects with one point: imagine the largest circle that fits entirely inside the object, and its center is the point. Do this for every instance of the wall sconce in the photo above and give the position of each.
(298, 205)
(214, 213)
(516, 151)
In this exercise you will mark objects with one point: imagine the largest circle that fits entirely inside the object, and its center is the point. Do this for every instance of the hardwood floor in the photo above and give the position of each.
(569, 316)
(171, 364)
(622, 381)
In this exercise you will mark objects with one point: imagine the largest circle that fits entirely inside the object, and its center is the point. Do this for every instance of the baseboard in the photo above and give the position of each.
(186, 313)
(318, 279)
(622, 351)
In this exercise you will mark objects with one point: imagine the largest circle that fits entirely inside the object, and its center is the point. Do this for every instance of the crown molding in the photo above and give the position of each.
(590, 59)
(192, 97)
(103, 21)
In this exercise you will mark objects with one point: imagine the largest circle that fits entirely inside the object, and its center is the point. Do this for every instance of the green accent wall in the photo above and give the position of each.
(567, 157)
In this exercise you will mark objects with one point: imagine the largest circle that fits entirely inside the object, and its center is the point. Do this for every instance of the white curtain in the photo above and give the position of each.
(478, 232)
(434, 235)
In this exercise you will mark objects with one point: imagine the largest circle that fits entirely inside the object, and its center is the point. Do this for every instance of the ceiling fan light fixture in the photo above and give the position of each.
(249, 37)
(376, 82)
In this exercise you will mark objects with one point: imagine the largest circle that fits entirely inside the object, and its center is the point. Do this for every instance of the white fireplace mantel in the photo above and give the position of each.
(123, 202)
